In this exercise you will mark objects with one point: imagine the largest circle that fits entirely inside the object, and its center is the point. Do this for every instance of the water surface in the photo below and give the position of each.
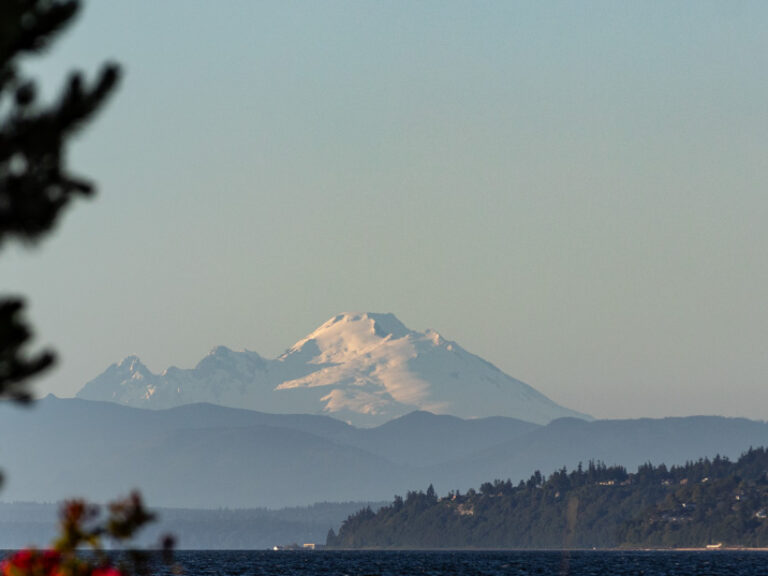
(474, 563)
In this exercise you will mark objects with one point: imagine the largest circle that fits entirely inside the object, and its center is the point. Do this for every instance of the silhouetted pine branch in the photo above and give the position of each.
(35, 182)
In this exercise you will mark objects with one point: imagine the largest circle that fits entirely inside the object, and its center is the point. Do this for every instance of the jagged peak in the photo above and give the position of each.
(337, 331)
(438, 340)
(381, 324)
(351, 333)
(132, 363)
(171, 370)
(387, 324)
(224, 357)
(220, 350)
(356, 363)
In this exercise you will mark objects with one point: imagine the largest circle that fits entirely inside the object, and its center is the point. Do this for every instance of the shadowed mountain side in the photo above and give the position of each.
(629, 443)
(91, 415)
(423, 439)
(203, 468)
(209, 456)
(416, 439)
(65, 447)
(259, 466)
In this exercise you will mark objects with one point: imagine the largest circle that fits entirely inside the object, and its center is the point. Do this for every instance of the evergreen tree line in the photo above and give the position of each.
(697, 504)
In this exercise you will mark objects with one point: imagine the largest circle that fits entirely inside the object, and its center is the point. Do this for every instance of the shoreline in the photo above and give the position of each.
(558, 550)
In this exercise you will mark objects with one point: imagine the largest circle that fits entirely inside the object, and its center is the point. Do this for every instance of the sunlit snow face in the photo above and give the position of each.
(359, 401)
(356, 351)
(366, 368)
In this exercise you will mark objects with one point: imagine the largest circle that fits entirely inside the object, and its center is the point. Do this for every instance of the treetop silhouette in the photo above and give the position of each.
(35, 182)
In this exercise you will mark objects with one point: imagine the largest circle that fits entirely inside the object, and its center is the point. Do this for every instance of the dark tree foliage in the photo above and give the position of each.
(14, 366)
(700, 503)
(82, 527)
(35, 183)
(35, 186)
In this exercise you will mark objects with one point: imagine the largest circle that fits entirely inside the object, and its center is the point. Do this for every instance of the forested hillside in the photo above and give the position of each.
(697, 504)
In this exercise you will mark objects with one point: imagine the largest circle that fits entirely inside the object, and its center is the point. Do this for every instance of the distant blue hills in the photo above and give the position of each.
(207, 456)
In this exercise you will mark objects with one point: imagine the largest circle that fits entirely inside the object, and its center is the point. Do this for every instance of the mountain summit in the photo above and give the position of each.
(364, 368)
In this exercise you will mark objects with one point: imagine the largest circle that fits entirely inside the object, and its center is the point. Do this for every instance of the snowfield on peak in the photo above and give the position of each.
(363, 368)
(363, 362)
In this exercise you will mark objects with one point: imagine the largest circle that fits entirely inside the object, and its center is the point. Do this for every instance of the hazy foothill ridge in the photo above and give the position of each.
(364, 368)
(194, 529)
(206, 456)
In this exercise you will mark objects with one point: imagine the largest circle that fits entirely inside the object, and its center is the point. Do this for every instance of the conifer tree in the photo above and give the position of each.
(35, 186)
(35, 182)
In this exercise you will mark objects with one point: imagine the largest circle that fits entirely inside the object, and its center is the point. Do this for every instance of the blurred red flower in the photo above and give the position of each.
(31, 562)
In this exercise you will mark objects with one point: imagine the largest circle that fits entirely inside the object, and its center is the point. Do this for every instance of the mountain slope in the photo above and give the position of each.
(211, 456)
(422, 439)
(628, 443)
(365, 369)
(194, 456)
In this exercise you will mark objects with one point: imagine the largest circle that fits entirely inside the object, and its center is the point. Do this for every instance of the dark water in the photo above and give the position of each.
(365, 563)
(320, 563)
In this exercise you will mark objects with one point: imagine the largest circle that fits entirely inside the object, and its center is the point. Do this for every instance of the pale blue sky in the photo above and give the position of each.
(574, 191)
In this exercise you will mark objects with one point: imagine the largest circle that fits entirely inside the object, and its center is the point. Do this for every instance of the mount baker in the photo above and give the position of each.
(363, 368)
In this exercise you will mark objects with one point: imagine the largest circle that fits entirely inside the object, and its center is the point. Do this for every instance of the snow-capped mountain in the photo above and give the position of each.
(363, 368)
